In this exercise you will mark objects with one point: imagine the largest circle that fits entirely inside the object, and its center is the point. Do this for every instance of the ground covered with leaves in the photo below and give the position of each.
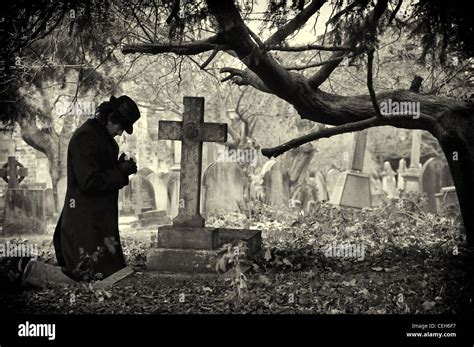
(412, 262)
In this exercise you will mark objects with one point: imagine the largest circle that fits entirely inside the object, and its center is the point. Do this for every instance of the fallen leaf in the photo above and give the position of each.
(428, 305)
(268, 255)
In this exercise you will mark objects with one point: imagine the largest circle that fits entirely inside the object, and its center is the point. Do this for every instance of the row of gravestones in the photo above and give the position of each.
(223, 188)
(224, 184)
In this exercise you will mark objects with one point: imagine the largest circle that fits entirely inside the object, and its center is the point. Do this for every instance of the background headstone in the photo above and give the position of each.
(320, 181)
(223, 187)
(431, 180)
(276, 186)
(389, 183)
(402, 167)
(137, 197)
(161, 192)
(331, 179)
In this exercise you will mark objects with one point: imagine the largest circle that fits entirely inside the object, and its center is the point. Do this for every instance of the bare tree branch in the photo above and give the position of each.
(297, 22)
(186, 48)
(337, 130)
(209, 59)
(370, 85)
(303, 67)
(307, 48)
(244, 77)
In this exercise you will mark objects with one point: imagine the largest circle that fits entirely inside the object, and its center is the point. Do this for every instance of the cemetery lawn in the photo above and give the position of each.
(413, 262)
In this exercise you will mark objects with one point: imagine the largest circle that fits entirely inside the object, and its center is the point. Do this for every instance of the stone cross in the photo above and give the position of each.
(360, 142)
(11, 174)
(192, 132)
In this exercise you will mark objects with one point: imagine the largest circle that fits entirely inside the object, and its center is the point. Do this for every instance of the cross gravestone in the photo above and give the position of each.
(187, 245)
(13, 173)
(352, 187)
(26, 210)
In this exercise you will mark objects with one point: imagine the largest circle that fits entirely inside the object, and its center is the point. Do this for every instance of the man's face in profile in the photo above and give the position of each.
(114, 129)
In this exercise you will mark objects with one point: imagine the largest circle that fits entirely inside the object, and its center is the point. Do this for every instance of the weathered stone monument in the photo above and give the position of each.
(187, 245)
(412, 174)
(389, 183)
(352, 188)
(223, 187)
(402, 167)
(26, 210)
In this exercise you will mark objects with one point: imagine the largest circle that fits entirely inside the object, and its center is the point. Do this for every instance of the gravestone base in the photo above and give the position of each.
(196, 250)
(352, 189)
(26, 212)
(151, 218)
(412, 180)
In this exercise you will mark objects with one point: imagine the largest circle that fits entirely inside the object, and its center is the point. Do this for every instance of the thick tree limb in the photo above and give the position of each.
(319, 134)
(337, 130)
(303, 67)
(308, 48)
(185, 48)
(297, 22)
(244, 77)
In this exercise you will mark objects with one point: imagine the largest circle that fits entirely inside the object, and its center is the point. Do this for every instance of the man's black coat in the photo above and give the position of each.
(89, 219)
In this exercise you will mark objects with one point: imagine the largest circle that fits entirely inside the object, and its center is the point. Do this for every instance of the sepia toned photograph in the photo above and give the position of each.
(303, 163)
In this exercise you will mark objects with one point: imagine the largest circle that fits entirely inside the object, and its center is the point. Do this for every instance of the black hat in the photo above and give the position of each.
(127, 111)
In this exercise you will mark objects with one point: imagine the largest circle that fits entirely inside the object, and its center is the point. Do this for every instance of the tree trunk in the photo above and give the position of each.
(47, 142)
(458, 146)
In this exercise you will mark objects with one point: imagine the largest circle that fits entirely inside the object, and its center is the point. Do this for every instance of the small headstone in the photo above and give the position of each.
(389, 184)
(430, 180)
(331, 179)
(302, 195)
(276, 186)
(138, 196)
(376, 191)
(402, 168)
(321, 186)
(161, 192)
(223, 187)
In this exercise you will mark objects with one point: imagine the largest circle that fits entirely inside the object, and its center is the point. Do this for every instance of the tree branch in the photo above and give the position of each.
(303, 67)
(186, 48)
(325, 132)
(370, 85)
(244, 78)
(371, 24)
(307, 48)
(297, 22)
(338, 130)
